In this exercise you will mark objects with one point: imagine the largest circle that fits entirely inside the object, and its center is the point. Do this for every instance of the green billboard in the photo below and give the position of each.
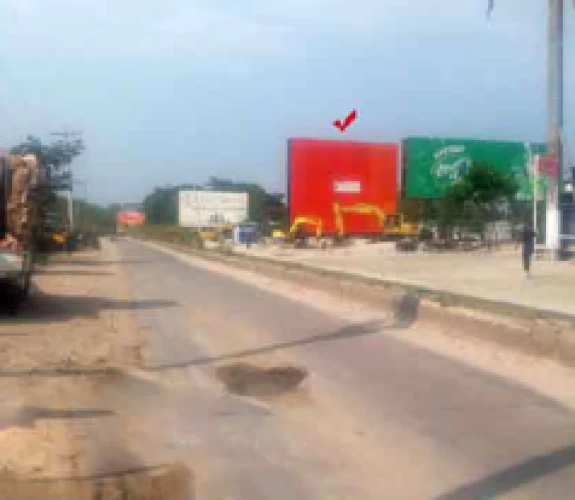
(431, 164)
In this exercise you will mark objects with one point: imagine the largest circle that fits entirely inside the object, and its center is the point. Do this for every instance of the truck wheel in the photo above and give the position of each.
(13, 304)
(24, 291)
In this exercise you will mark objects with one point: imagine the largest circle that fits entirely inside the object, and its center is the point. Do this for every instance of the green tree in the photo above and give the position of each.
(54, 157)
(114, 209)
(161, 206)
(90, 217)
(483, 194)
(275, 213)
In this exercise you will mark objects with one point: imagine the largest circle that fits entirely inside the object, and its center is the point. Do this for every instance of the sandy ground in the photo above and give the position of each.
(494, 275)
(65, 360)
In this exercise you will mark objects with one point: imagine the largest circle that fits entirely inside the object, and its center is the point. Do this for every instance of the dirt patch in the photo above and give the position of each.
(245, 379)
(171, 482)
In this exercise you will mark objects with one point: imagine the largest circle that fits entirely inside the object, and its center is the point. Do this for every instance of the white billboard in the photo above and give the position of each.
(212, 208)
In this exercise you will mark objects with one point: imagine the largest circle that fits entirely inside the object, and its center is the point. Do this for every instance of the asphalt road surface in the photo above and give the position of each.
(376, 417)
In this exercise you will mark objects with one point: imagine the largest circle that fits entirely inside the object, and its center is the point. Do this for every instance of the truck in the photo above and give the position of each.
(20, 180)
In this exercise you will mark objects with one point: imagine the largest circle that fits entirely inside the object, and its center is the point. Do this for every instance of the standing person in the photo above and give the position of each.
(528, 237)
(248, 234)
(69, 244)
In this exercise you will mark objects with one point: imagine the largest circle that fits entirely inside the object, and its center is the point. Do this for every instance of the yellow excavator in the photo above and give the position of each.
(358, 208)
(305, 221)
(395, 225)
(60, 238)
(215, 234)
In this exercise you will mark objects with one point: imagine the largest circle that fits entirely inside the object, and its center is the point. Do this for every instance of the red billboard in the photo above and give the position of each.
(548, 165)
(322, 173)
(131, 218)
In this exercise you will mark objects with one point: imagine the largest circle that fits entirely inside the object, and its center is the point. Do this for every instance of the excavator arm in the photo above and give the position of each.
(358, 208)
(305, 221)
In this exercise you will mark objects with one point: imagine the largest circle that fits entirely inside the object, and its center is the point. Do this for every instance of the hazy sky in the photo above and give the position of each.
(174, 91)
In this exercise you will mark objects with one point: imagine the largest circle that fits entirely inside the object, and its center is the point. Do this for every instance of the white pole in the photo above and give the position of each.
(535, 161)
(555, 110)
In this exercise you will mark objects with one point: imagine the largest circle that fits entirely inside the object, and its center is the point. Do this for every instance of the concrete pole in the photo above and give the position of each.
(555, 133)
(535, 170)
(71, 202)
(70, 195)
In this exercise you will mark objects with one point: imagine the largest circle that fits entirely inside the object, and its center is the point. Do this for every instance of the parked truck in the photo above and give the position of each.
(20, 180)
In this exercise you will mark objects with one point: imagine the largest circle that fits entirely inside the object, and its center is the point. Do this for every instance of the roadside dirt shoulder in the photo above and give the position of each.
(78, 317)
(61, 434)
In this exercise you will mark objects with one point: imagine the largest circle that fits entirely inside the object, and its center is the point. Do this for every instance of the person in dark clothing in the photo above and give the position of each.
(528, 237)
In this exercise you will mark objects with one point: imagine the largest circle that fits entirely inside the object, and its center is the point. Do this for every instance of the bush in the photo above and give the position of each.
(482, 195)
(169, 234)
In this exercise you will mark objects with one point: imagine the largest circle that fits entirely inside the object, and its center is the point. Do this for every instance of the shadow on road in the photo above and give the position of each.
(28, 415)
(511, 478)
(45, 308)
(98, 263)
(72, 272)
(59, 372)
(350, 331)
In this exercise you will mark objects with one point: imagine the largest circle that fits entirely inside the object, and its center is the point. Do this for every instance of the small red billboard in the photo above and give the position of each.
(549, 165)
(131, 218)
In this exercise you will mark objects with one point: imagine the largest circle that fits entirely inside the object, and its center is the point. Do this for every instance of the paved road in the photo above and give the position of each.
(377, 418)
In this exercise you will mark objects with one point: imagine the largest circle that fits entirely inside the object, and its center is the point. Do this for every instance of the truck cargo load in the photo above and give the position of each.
(20, 177)
(347, 185)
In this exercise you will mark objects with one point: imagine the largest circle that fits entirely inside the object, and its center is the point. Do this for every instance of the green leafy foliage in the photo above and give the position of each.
(483, 194)
(167, 233)
(90, 217)
(53, 157)
(161, 206)
(483, 186)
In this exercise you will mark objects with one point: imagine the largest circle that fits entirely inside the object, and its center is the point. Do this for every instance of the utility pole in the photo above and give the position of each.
(555, 82)
(555, 123)
(66, 135)
(83, 196)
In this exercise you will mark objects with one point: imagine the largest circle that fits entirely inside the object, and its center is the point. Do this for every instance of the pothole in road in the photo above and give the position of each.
(245, 379)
